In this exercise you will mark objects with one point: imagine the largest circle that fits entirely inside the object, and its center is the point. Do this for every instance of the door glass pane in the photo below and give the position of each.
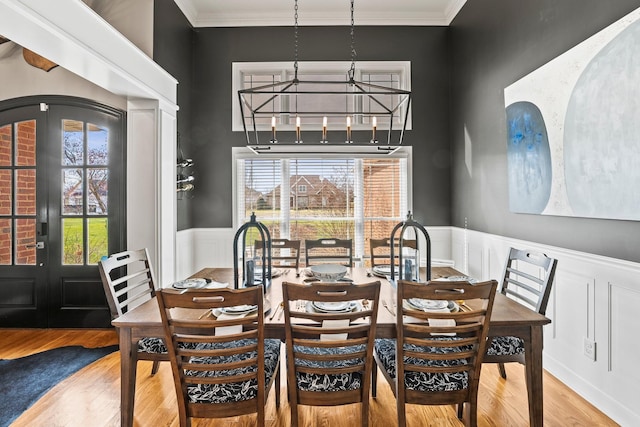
(72, 241)
(5, 145)
(98, 192)
(25, 192)
(97, 147)
(25, 241)
(97, 239)
(26, 143)
(73, 142)
(5, 241)
(72, 192)
(5, 192)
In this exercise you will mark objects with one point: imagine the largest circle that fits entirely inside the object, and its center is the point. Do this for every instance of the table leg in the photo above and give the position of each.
(533, 364)
(128, 365)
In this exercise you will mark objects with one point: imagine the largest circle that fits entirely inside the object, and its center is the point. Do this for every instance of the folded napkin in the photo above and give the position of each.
(442, 322)
(339, 323)
(229, 330)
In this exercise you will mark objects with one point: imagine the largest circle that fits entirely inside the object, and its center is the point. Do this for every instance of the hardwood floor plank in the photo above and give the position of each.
(92, 395)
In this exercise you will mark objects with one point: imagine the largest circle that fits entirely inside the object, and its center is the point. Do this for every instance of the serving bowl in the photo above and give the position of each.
(328, 271)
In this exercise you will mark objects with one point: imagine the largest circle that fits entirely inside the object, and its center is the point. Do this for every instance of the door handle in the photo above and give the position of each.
(37, 245)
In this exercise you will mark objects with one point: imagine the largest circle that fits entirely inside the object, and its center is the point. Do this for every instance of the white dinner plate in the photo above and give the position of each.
(428, 304)
(239, 309)
(190, 284)
(384, 270)
(332, 307)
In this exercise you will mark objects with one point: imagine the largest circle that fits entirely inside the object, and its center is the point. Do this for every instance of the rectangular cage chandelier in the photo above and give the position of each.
(327, 111)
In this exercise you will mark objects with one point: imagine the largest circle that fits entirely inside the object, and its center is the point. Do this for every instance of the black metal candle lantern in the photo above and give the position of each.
(249, 263)
(406, 270)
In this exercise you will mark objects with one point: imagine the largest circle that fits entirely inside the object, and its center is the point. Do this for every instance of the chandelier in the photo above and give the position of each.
(327, 112)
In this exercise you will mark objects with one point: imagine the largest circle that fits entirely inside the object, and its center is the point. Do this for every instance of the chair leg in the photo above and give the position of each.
(503, 372)
(154, 367)
(277, 387)
(402, 415)
(374, 379)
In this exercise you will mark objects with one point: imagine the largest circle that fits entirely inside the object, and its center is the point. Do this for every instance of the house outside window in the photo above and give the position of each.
(346, 196)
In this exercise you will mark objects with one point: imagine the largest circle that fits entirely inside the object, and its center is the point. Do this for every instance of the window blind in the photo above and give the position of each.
(312, 198)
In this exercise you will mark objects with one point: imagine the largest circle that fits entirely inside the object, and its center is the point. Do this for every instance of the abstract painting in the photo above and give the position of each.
(572, 144)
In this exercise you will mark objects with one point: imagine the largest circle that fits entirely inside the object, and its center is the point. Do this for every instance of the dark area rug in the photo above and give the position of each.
(25, 380)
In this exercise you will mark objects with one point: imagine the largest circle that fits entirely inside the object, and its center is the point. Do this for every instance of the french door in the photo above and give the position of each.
(61, 209)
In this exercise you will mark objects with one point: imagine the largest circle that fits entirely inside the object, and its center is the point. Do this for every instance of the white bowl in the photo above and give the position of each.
(328, 271)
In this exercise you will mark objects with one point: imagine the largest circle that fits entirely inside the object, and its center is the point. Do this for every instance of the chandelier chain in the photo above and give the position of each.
(352, 70)
(295, 41)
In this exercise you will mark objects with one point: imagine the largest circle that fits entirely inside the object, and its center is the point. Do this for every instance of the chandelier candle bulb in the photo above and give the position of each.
(273, 130)
(298, 139)
(374, 123)
(324, 130)
(348, 130)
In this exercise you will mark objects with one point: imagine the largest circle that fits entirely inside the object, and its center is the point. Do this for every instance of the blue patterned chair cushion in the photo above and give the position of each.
(329, 382)
(232, 392)
(505, 346)
(152, 345)
(421, 381)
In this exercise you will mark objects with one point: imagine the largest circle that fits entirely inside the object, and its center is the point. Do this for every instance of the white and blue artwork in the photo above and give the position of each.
(572, 144)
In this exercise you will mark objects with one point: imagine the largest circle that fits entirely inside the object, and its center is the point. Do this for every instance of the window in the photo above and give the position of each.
(302, 188)
(350, 197)
(395, 74)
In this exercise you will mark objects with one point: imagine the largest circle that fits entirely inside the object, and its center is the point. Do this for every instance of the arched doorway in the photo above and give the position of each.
(62, 207)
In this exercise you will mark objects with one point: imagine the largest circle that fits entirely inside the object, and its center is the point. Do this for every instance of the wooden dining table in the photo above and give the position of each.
(508, 318)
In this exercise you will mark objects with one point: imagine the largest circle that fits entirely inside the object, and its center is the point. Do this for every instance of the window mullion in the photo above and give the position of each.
(285, 205)
(358, 208)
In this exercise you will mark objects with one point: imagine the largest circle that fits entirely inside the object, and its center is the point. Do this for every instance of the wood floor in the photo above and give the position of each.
(91, 397)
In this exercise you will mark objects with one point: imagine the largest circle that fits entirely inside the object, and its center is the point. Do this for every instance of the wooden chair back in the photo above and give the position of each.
(329, 250)
(330, 354)
(380, 251)
(440, 347)
(285, 253)
(128, 280)
(211, 369)
(528, 277)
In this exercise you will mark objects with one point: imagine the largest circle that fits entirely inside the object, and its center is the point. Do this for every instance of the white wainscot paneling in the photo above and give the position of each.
(204, 247)
(569, 311)
(624, 346)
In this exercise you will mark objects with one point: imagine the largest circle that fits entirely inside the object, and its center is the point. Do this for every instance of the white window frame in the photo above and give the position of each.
(285, 70)
(243, 153)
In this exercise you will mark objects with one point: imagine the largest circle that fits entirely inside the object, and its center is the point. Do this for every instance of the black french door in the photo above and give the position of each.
(61, 209)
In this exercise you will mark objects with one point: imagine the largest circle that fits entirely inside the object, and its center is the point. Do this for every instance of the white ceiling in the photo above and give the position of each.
(243, 13)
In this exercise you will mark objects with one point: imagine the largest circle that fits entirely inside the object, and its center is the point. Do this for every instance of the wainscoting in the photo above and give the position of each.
(594, 299)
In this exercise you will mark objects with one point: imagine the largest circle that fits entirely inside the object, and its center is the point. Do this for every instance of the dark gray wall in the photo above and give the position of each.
(172, 40)
(495, 43)
(212, 139)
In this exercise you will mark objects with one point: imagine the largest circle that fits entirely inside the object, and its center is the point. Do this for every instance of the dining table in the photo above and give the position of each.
(508, 318)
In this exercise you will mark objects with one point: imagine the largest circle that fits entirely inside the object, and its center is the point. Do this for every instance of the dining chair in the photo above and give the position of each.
(380, 251)
(222, 365)
(128, 281)
(437, 356)
(528, 277)
(285, 253)
(330, 330)
(329, 250)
